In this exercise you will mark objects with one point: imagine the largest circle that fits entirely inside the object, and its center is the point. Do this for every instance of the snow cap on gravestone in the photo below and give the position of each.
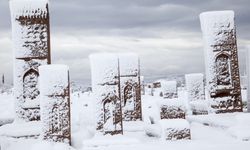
(215, 20)
(129, 63)
(28, 7)
(54, 78)
(103, 65)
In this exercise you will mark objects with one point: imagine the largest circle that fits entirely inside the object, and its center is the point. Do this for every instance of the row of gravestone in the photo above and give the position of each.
(192, 94)
(223, 88)
(42, 91)
(115, 79)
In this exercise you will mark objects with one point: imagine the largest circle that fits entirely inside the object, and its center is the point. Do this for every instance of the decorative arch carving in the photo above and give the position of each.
(223, 73)
(130, 95)
(30, 85)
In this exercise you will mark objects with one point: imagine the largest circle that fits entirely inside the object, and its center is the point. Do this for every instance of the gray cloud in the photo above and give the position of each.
(165, 33)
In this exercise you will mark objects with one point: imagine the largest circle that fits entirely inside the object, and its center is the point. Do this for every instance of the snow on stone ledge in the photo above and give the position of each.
(215, 20)
(102, 65)
(28, 7)
(128, 63)
(175, 102)
(174, 123)
(51, 75)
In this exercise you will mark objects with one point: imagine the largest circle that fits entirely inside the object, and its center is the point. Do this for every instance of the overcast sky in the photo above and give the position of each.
(166, 34)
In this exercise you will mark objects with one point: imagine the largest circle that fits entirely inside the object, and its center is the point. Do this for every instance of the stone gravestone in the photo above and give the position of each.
(175, 129)
(172, 109)
(222, 68)
(248, 79)
(196, 93)
(31, 45)
(55, 103)
(129, 70)
(106, 88)
(166, 89)
(169, 89)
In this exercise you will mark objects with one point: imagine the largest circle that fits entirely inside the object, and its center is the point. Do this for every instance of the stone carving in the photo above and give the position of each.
(55, 107)
(105, 85)
(129, 78)
(31, 44)
(222, 68)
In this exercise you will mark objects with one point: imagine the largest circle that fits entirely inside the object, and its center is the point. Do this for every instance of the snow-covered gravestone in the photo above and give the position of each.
(105, 86)
(248, 79)
(172, 109)
(129, 70)
(221, 55)
(183, 97)
(169, 89)
(31, 45)
(55, 104)
(175, 129)
(196, 92)
(166, 89)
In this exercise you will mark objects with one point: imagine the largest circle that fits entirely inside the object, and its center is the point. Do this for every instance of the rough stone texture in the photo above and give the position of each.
(106, 88)
(130, 87)
(131, 95)
(31, 44)
(222, 68)
(172, 112)
(199, 112)
(55, 107)
(175, 129)
(176, 134)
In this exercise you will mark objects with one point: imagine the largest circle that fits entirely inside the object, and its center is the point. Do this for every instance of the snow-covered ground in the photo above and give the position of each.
(208, 132)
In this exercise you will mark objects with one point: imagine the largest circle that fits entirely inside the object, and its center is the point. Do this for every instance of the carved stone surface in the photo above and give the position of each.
(196, 93)
(55, 107)
(248, 79)
(222, 68)
(129, 69)
(117, 89)
(172, 112)
(199, 112)
(106, 88)
(175, 129)
(175, 134)
(31, 44)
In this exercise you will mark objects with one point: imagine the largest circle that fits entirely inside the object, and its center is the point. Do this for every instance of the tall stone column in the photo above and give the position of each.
(106, 88)
(55, 104)
(221, 55)
(31, 46)
(130, 86)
